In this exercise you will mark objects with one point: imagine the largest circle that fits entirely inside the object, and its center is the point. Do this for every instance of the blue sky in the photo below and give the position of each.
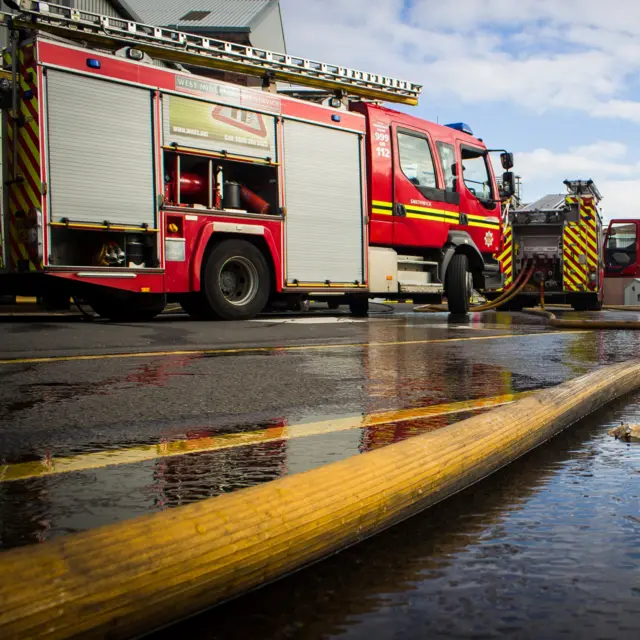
(555, 81)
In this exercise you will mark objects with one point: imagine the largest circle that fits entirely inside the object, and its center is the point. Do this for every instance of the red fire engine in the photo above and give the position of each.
(130, 181)
(622, 258)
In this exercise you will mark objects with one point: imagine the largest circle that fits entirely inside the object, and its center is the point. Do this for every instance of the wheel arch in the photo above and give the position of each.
(209, 239)
(461, 242)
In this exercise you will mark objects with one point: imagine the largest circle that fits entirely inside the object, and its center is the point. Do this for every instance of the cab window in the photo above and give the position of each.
(475, 173)
(416, 160)
(621, 250)
(448, 161)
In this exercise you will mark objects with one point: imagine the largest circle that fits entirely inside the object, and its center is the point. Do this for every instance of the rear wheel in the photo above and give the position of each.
(359, 307)
(588, 302)
(333, 304)
(122, 306)
(193, 305)
(236, 281)
(458, 284)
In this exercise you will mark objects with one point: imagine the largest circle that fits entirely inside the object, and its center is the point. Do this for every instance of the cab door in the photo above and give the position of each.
(479, 209)
(621, 249)
(421, 214)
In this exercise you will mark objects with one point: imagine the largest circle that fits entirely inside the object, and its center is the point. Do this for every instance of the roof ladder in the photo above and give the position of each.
(189, 49)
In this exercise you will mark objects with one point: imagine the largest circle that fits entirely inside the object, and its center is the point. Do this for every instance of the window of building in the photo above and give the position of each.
(416, 160)
(448, 161)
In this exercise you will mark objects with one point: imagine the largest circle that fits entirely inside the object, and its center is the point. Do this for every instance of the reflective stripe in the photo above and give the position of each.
(25, 195)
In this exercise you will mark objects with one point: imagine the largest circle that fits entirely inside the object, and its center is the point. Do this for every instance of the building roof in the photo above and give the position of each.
(199, 15)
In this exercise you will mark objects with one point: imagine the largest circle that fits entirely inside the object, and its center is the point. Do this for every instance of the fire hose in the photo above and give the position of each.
(516, 287)
(552, 320)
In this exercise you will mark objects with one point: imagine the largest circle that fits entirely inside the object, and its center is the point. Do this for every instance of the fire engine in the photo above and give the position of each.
(622, 265)
(559, 237)
(130, 181)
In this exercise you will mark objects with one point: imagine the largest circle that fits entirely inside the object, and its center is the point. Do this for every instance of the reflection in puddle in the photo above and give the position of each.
(546, 548)
(98, 496)
(156, 373)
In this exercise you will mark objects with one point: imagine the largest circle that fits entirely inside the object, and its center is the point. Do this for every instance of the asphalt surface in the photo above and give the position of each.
(89, 407)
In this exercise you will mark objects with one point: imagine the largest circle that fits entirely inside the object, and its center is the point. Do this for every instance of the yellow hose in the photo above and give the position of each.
(620, 307)
(126, 579)
(517, 286)
(553, 321)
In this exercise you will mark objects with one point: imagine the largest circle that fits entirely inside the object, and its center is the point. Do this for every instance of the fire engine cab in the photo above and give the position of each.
(130, 181)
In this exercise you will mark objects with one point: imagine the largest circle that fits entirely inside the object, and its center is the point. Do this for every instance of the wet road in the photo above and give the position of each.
(102, 422)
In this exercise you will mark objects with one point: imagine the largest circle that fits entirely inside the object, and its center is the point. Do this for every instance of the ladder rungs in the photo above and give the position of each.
(208, 52)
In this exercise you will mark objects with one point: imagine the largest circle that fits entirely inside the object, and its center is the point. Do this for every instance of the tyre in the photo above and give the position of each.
(192, 304)
(589, 302)
(121, 306)
(236, 281)
(359, 307)
(333, 304)
(458, 285)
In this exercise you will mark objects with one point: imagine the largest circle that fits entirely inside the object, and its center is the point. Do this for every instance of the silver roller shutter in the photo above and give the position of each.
(323, 196)
(100, 151)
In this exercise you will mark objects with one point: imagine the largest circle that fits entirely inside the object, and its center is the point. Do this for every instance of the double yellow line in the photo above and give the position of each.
(130, 455)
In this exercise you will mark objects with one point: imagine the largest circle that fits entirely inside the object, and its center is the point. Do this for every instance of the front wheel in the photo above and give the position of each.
(236, 281)
(458, 284)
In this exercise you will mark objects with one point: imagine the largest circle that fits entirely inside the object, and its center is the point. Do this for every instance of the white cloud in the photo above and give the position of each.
(539, 54)
(596, 160)
(574, 56)
(606, 163)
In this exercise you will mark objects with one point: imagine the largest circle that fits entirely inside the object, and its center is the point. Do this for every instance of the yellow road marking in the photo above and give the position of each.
(302, 347)
(144, 453)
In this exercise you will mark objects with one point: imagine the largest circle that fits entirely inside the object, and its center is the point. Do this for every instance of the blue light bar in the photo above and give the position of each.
(460, 126)
(92, 63)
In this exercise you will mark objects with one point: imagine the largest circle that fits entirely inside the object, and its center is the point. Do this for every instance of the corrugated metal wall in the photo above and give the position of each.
(104, 7)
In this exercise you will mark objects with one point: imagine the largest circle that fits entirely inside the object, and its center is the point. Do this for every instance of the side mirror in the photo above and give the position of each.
(506, 159)
(508, 186)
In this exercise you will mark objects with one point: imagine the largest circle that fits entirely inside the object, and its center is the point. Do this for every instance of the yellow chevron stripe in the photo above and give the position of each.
(35, 152)
(19, 196)
(34, 176)
(577, 273)
(572, 235)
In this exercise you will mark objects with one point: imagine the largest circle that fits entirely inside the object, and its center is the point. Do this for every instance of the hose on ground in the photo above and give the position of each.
(577, 323)
(195, 556)
(517, 286)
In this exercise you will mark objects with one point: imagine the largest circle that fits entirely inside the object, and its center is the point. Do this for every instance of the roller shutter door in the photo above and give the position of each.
(100, 151)
(323, 197)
